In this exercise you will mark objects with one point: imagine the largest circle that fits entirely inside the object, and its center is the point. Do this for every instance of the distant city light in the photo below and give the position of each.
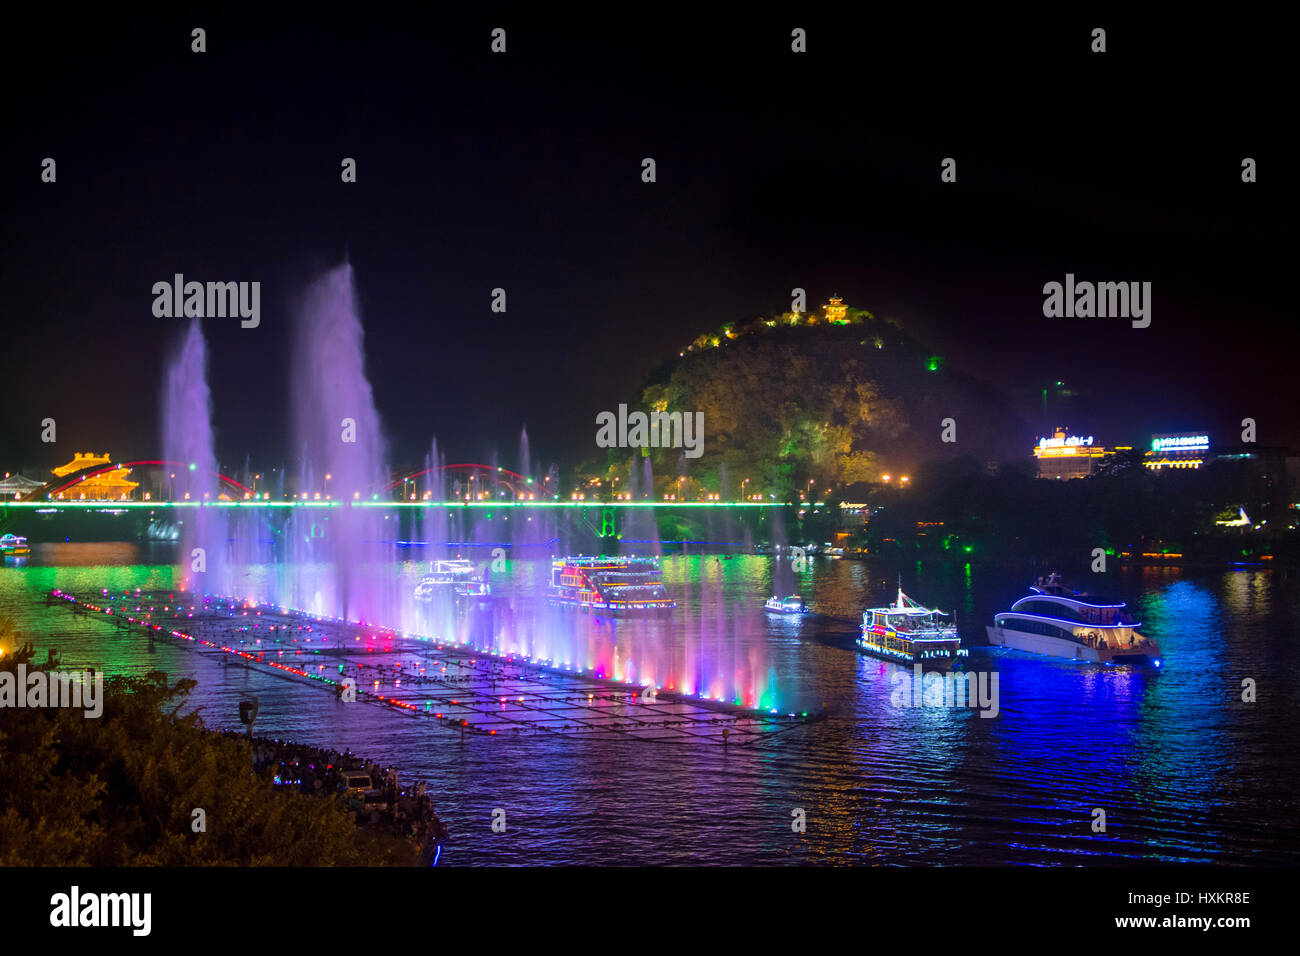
(1180, 442)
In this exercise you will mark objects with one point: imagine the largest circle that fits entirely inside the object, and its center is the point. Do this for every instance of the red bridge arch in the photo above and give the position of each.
(512, 481)
(54, 488)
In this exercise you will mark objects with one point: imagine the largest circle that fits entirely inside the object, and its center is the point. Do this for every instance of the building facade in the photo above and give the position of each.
(1180, 451)
(112, 484)
(1063, 456)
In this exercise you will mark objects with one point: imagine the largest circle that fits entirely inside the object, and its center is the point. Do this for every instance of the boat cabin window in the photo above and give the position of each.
(1031, 626)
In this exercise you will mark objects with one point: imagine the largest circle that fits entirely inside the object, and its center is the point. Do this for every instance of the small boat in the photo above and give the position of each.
(909, 633)
(1055, 621)
(13, 545)
(454, 578)
(787, 605)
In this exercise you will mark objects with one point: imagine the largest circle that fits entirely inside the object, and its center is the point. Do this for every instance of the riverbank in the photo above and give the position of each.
(382, 809)
(116, 775)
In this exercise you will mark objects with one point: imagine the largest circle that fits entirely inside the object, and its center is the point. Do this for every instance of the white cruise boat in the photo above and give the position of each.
(455, 577)
(1057, 622)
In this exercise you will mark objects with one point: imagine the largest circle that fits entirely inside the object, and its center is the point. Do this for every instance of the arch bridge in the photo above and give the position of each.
(466, 479)
(65, 488)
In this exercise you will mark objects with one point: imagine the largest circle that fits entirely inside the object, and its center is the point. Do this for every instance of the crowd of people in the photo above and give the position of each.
(407, 812)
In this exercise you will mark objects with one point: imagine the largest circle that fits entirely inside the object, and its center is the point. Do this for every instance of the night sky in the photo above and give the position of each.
(522, 171)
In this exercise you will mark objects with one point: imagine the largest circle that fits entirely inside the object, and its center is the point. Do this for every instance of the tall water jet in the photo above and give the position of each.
(344, 563)
(531, 532)
(435, 525)
(524, 465)
(642, 535)
(192, 469)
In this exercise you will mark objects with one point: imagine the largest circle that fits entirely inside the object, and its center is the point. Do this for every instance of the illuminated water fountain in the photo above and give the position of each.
(341, 559)
(347, 553)
(187, 443)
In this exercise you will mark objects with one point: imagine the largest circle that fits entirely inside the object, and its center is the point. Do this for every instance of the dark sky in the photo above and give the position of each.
(523, 171)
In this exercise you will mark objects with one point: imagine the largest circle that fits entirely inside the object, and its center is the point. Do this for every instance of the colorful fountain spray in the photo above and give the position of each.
(339, 557)
(341, 564)
(187, 443)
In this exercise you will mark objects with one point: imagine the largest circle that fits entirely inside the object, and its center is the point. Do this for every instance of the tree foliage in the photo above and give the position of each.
(120, 789)
(791, 399)
(782, 409)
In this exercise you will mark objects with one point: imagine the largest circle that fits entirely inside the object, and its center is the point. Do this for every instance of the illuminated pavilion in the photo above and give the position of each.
(111, 485)
(836, 311)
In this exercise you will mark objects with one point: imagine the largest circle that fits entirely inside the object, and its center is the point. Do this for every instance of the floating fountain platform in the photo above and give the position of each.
(464, 690)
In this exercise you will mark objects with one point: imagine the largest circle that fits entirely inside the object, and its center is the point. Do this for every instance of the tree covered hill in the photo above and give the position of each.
(791, 398)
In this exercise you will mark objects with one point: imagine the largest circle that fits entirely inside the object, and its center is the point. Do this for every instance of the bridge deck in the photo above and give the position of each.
(105, 504)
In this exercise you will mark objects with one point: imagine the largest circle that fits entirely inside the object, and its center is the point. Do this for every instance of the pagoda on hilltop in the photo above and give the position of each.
(836, 311)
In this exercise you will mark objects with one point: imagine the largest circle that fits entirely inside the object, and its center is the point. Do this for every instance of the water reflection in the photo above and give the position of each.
(1184, 769)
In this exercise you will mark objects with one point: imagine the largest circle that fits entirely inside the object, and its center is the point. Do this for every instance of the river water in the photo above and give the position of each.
(1184, 770)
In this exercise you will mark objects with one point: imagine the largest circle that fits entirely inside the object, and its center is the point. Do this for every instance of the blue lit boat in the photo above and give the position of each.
(1055, 621)
(907, 633)
(610, 585)
(787, 605)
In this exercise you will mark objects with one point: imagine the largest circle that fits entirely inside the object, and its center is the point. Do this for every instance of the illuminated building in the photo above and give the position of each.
(836, 311)
(1177, 451)
(15, 486)
(1065, 456)
(1241, 520)
(111, 484)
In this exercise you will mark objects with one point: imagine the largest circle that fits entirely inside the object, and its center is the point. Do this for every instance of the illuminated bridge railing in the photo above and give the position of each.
(108, 505)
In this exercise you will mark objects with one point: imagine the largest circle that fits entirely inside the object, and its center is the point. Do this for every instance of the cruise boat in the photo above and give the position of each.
(609, 585)
(908, 633)
(787, 605)
(1057, 622)
(455, 578)
(13, 545)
